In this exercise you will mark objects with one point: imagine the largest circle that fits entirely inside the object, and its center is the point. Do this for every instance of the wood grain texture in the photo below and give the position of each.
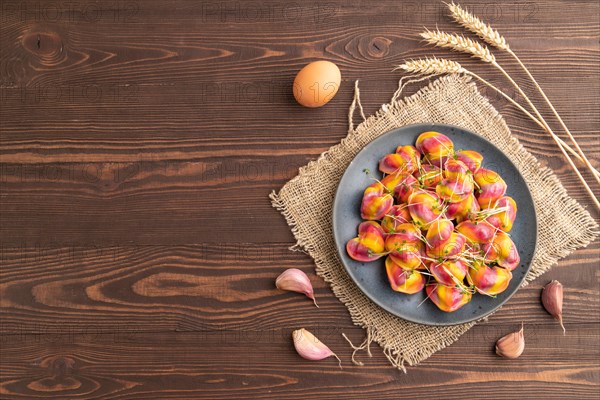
(138, 249)
(205, 286)
(194, 365)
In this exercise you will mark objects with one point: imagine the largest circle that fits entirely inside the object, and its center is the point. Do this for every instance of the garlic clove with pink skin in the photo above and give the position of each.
(552, 299)
(511, 345)
(296, 280)
(311, 348)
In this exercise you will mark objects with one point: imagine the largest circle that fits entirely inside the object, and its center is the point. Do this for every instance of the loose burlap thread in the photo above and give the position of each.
(306, 202)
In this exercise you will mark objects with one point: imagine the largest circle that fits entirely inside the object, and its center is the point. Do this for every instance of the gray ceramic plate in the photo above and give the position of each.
(371, 277)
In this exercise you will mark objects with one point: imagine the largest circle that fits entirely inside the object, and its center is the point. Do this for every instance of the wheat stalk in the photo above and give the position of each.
(432, 66)
(458, 43)
(477, 26)
(438, 66)
(475, 49)
(493, 38)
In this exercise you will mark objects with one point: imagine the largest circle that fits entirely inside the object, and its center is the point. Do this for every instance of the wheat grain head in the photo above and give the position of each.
(477, 26)
(458, 43)
(432, 66)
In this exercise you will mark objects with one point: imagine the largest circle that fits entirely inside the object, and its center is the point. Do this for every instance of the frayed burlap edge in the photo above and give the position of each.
(306, 203)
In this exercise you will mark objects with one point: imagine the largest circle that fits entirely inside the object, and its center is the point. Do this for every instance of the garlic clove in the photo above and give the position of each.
(297, 281)
(552, 299)
(511, 345)
(311, 348)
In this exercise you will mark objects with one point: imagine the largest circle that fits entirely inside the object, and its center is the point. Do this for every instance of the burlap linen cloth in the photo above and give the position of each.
(306, 202)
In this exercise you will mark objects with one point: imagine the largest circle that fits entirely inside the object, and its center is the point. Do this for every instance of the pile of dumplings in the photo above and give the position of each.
(441, 221)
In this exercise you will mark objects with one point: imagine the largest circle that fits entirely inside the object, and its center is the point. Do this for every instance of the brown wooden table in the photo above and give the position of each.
(139, 143)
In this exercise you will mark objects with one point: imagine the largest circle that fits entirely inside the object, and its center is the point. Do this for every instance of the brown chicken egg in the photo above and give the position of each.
(317, 83)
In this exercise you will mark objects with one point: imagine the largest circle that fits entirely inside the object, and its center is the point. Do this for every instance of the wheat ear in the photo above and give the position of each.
(438, 66)
(475, 49)
(477, 26)
(458, 43)
(493, 38)
(432, 66)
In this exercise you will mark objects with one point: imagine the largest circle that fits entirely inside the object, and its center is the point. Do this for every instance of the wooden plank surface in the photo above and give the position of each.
(139, 142)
